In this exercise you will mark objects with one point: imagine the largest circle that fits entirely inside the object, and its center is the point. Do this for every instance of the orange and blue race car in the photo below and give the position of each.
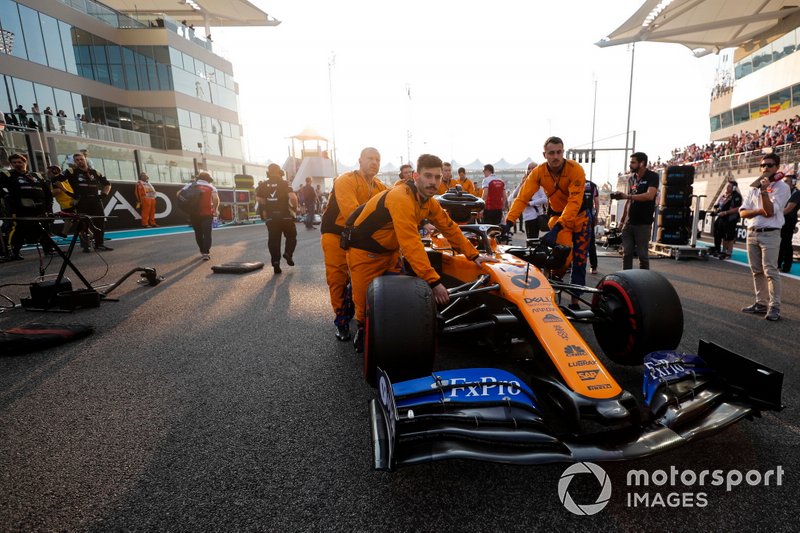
(541, 395)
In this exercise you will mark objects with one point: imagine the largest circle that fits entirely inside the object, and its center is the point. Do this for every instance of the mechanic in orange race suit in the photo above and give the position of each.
(389, 223)
(350, 190)
(563, 181)
(449, 182)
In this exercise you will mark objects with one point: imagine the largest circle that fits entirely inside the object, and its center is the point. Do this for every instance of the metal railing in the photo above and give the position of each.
(746, 160)
(68, 126)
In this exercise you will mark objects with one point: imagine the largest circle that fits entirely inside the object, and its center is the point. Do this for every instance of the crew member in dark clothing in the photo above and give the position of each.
(310, 201)
(28, 196)
(790, 221)
(637, 217)
(727, 210)
(89, 187)
(278, 202)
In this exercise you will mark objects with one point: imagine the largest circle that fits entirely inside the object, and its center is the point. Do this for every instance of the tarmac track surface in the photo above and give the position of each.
(223, 402)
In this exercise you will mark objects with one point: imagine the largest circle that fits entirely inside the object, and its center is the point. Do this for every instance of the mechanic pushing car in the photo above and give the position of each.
(350, 190)
(563, 180)
(386, 224)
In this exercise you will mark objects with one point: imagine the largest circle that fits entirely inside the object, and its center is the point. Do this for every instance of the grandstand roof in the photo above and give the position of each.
(707, 26)
(219, 12)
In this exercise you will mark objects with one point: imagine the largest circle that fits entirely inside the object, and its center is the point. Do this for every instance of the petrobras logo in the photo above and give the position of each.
(584, 509)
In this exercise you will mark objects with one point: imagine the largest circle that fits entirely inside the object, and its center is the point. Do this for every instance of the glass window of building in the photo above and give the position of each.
(44, 97)
(65, 32)
(23, 93)
(759, 108)
(124, 115)
(195, 118)
(715, 125)
(188, 63)
(6, 100)
(9, 20)
(52, 42)
(780, 100)
(784, 46)
(726, 119)
(63, 102)
(796, 95)
(762, 57)
(34, 42)
(741, 114)
(183, 118)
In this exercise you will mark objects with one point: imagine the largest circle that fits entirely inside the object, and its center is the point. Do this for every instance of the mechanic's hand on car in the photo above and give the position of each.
(484, 258)
(550, 237)
(440, 295)
(506, 227)
(430, 228)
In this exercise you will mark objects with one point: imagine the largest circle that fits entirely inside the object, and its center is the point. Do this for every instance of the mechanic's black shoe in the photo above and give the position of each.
(289, 260)
(358, 341)
(755, 309)
(14, 257)
(104, 248)
(773, 314)
(277, 269)
(343, 333)
(86, 250)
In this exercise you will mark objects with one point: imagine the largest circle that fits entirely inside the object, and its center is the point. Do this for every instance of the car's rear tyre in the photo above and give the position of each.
(644, 315)
(400, 328)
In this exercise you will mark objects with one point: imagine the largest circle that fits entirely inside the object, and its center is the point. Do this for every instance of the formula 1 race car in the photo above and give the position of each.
(559, 402)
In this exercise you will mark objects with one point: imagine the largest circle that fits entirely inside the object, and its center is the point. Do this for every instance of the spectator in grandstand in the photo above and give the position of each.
(761, 208)
(786, 252)
(727, 211)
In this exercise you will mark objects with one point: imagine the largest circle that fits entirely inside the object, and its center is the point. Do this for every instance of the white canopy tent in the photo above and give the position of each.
(708, 26)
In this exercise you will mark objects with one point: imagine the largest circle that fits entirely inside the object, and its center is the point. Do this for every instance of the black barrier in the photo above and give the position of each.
(121, 206)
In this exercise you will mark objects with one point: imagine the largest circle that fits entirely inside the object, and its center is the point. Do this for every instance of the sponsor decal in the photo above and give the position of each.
(588, 375)
(541, 310)
(487, 386)
(582, 362)
(573, 350)
(551, 318)
(602, 386)
(664, 369)
(561, 332)
(538, 299)
(531, 283)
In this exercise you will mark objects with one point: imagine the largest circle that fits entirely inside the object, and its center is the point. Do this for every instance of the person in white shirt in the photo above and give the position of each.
(537, 207)
(763, 210)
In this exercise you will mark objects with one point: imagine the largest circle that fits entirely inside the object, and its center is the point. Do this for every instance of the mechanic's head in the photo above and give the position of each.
(79, 160)
(531, 166)
(429, 176)
(769, 164)
(462, 173)
(370, 162)
(638, 163)
(554, 152)
(447, 172)
(19, 162)
(406, 172)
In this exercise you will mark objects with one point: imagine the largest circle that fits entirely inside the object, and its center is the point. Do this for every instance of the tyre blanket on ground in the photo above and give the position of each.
(237, 268)
(34, 337)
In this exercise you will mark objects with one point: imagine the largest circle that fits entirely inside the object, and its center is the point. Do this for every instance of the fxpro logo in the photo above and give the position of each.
(119, 203)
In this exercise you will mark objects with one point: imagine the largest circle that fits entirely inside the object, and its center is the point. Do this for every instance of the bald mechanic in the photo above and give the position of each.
(563, 181)
(395, 216)
(350, 190)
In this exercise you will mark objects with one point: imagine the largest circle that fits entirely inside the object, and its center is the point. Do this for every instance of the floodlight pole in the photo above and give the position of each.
(331, 64)
(594, 116)
(630, 97)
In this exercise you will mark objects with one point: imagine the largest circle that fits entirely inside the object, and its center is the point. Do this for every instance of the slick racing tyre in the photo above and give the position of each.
(400, 328)
(643, 314)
